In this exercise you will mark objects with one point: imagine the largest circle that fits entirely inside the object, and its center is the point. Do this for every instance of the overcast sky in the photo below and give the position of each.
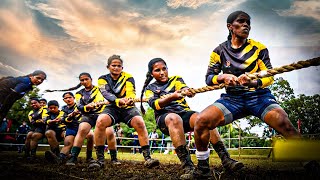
(65, 38)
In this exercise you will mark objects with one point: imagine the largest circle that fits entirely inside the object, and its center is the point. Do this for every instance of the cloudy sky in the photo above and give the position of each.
(65, 38)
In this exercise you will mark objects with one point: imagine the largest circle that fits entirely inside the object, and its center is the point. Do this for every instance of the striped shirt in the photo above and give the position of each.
(251, 57)
(155, 90)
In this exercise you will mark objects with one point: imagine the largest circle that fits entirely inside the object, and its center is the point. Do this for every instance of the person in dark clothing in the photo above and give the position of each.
(118, 88)
(174, 116)
(43, 103)
(21, 135)
(14, 88)
(55, 129)
(38, 128)
(85, 102)
(244, 96)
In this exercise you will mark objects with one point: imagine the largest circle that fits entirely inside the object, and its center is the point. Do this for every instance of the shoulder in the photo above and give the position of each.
(64, 108)
(151, 86)
(80, 91)
(30, 112)
(221, 46)
(103, 76)
(179, 78)
(256, 44)
(126, 74)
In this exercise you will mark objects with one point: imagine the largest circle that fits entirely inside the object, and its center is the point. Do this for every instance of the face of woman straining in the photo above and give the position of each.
(85, 81)
(68, 99)
(160, 72)
(115, 68)
(37, 79)
(240, 27)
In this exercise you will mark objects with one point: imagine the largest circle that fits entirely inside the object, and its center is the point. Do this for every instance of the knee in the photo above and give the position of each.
(109, 132)
(138, 124)
(103, 122)
(67, 143)
(49, 134)
(29, 135)
(89, 136)
(173, 121)
(201, 122)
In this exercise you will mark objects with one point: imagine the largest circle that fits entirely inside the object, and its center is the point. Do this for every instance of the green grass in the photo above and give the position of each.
(250, 157)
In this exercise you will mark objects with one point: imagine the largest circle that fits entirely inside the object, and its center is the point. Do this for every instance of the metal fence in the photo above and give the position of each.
(164, 145)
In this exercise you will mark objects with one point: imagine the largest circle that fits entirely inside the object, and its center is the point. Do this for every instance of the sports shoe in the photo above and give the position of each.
(51, 157)
(96, 164)
(72, 161)
(188, 172)
(203, 170)
(232, 165)
(115, 162)
(149, 163)
(227, 162)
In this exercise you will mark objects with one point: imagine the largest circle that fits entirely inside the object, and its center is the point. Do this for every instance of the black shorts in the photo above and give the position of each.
(58, 132)
(89, 118)
(40, 130)
(185, 116)
(121, 115)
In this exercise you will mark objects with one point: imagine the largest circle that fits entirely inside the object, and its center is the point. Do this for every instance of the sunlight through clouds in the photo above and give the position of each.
(309, 8)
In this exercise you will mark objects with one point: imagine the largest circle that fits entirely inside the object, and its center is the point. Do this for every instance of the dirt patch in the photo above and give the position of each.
(14, 167)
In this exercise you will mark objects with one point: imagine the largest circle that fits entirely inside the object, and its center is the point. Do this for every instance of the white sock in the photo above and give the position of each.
(202, 155)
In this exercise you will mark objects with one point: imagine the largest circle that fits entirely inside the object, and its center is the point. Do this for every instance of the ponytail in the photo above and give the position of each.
(146, 83)
(73, 88)
(61, 90)
(229, 36)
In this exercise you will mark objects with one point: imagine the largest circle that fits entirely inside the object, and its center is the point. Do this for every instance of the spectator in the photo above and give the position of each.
(3, 129)
(4, 125)
(119, 134)
(21, 134)
(153, 136)
(135, 142)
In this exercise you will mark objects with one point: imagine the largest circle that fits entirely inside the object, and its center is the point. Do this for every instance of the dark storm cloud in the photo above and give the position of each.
(270, 13)
(48, 26)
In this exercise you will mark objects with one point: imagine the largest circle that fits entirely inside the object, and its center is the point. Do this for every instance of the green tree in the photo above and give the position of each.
(305, 108)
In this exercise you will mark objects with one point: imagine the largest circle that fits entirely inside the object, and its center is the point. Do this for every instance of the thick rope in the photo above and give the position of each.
(268, 73)
(286, 68)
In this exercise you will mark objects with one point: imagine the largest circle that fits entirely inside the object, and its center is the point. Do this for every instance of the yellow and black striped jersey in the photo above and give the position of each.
(35, 117)
(155, 90)
(251, 57)
(51, 116)
(84, 97)
(71, 122)
(114, 90)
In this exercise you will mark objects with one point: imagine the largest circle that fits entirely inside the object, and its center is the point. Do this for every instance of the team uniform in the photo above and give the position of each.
(35, 118)
(57, 127)
(83, 98)
(113, 91)
(72, 123)
(155, 90)
(12, 89)
(240, 101)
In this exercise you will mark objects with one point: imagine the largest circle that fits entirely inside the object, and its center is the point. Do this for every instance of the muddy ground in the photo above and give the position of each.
(16, 167)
